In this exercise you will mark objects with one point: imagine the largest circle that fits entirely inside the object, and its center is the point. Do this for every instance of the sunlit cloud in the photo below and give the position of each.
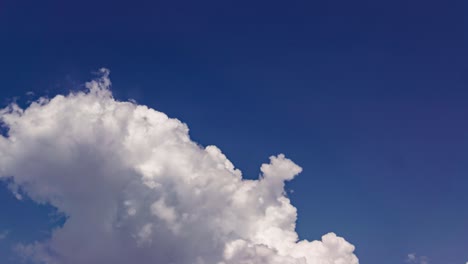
(136, 189)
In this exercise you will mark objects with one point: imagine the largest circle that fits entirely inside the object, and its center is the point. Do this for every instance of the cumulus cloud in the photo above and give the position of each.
(136, 189)
(413, 258)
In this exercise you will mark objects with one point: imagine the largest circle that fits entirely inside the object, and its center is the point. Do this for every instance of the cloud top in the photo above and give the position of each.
(136, 189)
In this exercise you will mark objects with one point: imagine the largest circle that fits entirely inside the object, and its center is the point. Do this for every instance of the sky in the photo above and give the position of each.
(367, 97)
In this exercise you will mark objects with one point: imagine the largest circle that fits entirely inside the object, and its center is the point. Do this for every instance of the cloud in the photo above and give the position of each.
(413, 258)
(4, 234)
(136, 189)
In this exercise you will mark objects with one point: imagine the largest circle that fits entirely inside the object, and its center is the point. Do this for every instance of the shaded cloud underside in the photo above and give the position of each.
(136, 189)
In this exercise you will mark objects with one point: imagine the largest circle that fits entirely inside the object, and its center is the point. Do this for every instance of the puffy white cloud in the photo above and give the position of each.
(136, 189)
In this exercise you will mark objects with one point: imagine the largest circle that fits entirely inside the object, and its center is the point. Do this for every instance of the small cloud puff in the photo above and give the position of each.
(415, 259)
(136, 189)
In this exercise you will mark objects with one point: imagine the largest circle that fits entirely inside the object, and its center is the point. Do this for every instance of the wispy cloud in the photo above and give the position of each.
(413, 258)
(4, 234)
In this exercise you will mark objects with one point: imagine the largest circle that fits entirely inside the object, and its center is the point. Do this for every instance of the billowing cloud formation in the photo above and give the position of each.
(136, 189)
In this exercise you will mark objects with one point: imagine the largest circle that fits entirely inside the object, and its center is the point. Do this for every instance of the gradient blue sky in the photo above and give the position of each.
(369, 97)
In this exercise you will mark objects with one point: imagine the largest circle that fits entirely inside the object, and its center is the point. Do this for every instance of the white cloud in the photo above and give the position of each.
(413, 258)
(136, 189)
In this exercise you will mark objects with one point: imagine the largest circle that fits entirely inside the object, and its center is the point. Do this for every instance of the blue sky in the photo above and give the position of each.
(368, 97)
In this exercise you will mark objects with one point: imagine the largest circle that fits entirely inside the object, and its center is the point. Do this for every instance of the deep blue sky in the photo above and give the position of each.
(369, 97)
